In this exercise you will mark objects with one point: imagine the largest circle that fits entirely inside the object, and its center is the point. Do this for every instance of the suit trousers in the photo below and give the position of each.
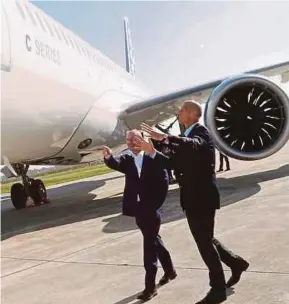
(153, 249)
(212, 251)
(222, 157)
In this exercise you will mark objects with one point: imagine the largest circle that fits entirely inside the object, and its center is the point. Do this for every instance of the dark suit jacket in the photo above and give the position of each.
(167, 151)
(194, 159)
(151, 186)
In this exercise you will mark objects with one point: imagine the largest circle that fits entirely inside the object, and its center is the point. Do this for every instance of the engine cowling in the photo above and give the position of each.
(248, 116)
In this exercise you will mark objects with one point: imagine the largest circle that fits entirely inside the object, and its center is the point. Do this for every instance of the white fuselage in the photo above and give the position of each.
(57, 90)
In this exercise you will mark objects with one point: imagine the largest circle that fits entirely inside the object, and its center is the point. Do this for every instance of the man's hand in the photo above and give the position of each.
(155, 135)
(106, 151)
(144, 145)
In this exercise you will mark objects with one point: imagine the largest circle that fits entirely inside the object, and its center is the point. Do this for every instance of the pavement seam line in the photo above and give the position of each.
(61, 257)
(126, 265)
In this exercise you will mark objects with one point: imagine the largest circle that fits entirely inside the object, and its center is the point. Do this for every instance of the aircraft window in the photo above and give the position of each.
(40, 22)
(63, 35)
(20, 9)
(93, 56)
(83, 50)
(101, 62)
(56, 31)
(87, 51)
(90, 55)
(31, 15)
(48, 26)
(75, 44)
(71, 42)
(78, 48)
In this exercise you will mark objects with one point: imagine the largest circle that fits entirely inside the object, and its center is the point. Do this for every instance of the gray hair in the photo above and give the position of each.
(134, 132)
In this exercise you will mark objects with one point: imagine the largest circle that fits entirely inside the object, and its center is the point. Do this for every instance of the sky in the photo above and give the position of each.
(181, 44)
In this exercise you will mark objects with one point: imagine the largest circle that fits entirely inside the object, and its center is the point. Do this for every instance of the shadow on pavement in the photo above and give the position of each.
(74, 203)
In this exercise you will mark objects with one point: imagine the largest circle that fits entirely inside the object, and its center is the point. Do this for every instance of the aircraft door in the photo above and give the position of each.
(6, 60)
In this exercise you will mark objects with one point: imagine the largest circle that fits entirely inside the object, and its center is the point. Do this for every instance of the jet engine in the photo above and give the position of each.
(248, 116)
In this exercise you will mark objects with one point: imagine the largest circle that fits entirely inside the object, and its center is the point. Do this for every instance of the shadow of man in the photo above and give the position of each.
(232, 190)
(131, 299)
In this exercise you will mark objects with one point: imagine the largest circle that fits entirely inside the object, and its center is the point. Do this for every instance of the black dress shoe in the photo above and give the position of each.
(214, 297)
(168, 277)
(236, 273)
(146, 295)
(220, 170)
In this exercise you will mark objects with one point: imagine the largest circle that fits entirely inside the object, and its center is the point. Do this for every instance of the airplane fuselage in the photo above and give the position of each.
(57, 90)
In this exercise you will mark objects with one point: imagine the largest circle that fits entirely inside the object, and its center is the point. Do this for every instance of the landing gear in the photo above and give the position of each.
(33, 188)
(18, 196)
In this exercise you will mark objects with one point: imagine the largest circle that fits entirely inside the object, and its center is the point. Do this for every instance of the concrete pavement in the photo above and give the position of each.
(80, 249)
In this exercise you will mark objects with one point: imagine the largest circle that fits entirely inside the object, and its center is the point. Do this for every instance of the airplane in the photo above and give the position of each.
(62, 99)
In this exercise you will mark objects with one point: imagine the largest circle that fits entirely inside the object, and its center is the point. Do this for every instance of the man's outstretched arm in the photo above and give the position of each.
(194, 144)
(113, 162)
(147, 146)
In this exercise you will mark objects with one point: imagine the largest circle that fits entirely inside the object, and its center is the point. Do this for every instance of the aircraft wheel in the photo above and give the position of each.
(38, 192)
(18, 196)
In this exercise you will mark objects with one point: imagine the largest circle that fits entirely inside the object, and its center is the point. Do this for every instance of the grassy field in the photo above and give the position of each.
(63, 176)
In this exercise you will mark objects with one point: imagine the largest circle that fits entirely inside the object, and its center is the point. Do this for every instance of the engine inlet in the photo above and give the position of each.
(248, 117)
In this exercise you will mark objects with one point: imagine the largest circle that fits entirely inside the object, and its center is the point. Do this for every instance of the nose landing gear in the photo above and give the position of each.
(31, 188)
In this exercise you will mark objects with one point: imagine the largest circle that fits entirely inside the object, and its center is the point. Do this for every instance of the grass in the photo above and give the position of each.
(63, 176)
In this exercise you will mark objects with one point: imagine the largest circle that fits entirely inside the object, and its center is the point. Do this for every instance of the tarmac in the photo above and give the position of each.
(80, 249)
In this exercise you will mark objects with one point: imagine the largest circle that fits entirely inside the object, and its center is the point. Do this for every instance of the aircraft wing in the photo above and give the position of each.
(159, 108)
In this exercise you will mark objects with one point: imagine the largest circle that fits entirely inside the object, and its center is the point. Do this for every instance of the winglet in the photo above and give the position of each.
(129, 58)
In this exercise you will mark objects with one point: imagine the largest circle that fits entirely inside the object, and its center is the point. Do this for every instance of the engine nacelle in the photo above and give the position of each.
(248, 116)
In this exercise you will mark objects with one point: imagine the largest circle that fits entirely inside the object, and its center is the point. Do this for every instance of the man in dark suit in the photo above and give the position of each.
(166, 151)
(146, 187)
(194, 159)
(221, 162)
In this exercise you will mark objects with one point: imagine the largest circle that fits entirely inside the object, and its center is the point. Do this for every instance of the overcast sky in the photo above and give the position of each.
(180, 44)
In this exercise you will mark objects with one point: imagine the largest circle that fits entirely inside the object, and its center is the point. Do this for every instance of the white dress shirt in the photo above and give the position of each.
(138, 160)
(188, 131)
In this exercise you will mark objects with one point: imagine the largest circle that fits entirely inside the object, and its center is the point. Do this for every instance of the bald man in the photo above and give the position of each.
(194, 159)
(146, 187)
